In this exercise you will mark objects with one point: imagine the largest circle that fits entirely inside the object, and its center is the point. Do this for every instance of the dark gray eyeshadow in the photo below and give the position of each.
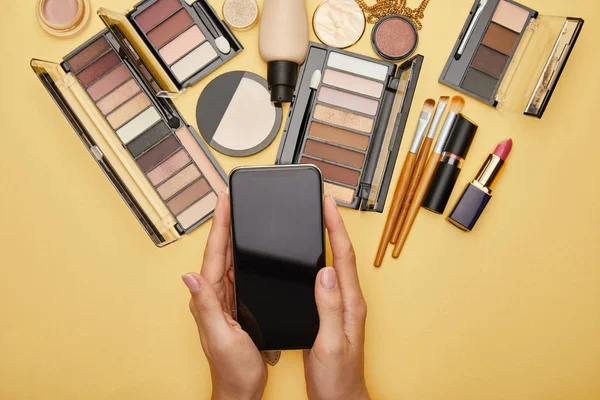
(148, 139)
(480, 84)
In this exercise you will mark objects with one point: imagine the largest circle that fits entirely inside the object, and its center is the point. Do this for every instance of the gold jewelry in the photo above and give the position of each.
(381, 8)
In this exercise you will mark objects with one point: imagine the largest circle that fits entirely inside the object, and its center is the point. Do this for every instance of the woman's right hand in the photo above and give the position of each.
(334, 367)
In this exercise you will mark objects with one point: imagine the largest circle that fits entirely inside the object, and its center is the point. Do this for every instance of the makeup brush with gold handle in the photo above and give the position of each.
(404, 180)
(455, 108)
(420, 165)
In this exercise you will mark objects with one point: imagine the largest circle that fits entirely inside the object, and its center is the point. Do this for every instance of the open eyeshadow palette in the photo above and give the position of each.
(513, 58)
(352, 127)
(151, 155)
(171, 42)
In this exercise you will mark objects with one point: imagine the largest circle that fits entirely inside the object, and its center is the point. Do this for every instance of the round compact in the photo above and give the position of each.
(394, 37)
(339, 23)
(63, 17)
(240, 15)
(235, 115)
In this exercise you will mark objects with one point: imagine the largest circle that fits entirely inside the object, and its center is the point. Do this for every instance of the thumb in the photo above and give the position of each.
(329, 304)
(205, 306)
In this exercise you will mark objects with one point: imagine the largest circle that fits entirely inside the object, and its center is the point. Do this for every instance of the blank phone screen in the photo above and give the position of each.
(278, 249)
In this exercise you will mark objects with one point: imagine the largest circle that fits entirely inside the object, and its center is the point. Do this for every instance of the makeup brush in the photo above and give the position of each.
(315, 81)
(221, 42)
(404, 180)
(420, 165)
(470, 29)
(456, 106)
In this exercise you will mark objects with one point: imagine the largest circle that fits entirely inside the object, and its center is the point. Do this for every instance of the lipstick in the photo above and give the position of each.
(450, 164)
(479, 192)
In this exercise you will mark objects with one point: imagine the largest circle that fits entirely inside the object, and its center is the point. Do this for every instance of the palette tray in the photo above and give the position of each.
(162, 158)
(355, 123)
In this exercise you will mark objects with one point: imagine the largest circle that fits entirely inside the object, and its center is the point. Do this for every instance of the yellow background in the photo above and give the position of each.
(90, 309)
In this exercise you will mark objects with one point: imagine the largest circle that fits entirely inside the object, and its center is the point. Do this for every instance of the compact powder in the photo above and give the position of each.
(394, 37)
(235, 114)
(339, 23)
(63, 17)
(240, 15)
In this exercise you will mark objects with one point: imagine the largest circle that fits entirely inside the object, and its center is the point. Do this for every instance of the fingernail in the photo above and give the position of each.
(328, 279)
(192, 284)
(332, 200)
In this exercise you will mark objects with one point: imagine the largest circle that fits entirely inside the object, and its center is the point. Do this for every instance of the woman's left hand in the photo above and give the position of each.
(237, 367)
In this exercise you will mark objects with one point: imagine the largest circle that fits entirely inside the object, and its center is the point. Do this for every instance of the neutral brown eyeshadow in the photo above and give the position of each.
(118, 96)
(343, 118)
(156, 13)
(167, 30)
(334, 153)
(334, 172)
(489, 61)
(155, 156)
(99, 68)
(341, 136)
(89, 54)
(188, 196)
(500, 39)
(340, 193)
(127, 111)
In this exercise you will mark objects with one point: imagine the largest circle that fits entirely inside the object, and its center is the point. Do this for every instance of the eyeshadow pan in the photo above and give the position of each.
(511, 16)
(343, 118)
(167, 30)
(198, 210)
(201, 159)
(139, 124)
(89, 54)
(192, 62)
(188, 196)
(334, 172)
(489, 61)
(156, 13)
(479, 83)
(334, 153)
(349, 101)
(148, 139)
(98, 68)
(127, 111)
(183, 178)
(341, 136)
(155, 156)
(357, 66)
(352, 83)
(500, 39)
(118, 96)
(167, 168)
(340, 193)
(182, 45)
(108, 82)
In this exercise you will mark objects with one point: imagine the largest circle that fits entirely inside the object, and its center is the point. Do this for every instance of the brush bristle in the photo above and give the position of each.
(457, 104)
(315, 79)
(444, 100)
(429, 105)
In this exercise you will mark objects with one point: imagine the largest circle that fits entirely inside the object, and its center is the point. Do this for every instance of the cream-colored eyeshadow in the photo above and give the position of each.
(194, 61)
(198, 210)
(128, 110)
(340, 193)
(138, 125)
(118, 96)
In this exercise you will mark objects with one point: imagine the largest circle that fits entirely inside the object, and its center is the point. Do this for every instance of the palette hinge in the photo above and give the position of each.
(66, 81)
(97, 153)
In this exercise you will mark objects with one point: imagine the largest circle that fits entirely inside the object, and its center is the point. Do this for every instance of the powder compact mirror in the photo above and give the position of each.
(352, 127)
(394, 37)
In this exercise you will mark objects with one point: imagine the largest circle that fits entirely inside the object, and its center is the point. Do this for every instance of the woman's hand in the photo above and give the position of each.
(237, 367)
(334, 367)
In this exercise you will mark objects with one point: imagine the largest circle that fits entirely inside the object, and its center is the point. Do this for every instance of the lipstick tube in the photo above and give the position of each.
(449, 167)
(478, 193)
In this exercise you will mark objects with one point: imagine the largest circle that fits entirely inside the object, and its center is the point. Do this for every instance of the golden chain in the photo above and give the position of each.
(386, 7)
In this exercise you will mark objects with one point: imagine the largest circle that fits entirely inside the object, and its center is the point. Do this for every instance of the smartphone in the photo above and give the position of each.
(278, 243)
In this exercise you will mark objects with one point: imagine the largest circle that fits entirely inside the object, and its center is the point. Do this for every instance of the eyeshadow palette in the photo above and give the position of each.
(355, 125)
(156, 161)
(178, 43)
(512, 57)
